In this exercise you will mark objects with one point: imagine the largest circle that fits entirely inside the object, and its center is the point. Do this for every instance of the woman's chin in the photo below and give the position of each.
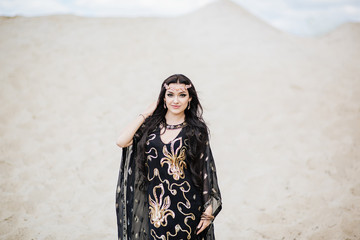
(176, 111)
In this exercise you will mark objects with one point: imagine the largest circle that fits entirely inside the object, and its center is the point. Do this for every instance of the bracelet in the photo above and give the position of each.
(205, 216)
(142, 116)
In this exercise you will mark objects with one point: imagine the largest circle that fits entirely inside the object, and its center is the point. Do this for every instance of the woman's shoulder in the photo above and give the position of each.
(201, 132)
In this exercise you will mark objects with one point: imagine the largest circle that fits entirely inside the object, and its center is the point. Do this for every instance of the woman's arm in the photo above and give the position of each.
(125, 138)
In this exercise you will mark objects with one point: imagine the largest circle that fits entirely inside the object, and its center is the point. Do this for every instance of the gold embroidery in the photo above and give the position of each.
(157, 174)
(151, 137)
(170, 186)
(163, 237)
(175, 159)
(155, 236)
(158, 210)
(149, 156)
(160, 207)
(186, 205)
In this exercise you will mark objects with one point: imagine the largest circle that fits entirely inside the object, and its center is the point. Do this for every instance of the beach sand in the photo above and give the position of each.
(284, 115)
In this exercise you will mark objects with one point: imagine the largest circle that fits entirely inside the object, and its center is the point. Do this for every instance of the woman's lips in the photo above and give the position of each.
(174, 106)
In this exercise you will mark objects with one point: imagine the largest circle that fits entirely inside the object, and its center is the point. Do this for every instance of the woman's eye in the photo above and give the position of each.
(169, 95)
(182, 95)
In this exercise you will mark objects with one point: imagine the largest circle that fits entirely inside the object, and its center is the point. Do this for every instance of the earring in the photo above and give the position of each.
(164, 105)
(188, 106)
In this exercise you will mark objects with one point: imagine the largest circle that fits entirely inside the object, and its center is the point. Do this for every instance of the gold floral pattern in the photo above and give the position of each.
(175, 159)
(159, 207)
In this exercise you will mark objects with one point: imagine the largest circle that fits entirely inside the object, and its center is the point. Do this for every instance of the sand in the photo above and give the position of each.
(284, 114)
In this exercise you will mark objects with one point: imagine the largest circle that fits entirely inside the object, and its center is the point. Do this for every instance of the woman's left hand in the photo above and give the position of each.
(205, 221)
(203, 224)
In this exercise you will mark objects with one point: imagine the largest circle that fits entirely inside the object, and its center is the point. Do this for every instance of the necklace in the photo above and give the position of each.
(176, 126)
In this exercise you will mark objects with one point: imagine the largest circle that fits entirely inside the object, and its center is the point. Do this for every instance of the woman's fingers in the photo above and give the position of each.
(202, 225)
(199, 225)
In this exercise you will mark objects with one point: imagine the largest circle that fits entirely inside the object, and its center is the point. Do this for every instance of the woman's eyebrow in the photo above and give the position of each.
(169, 91)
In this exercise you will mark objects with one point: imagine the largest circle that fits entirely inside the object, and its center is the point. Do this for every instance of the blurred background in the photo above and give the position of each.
(279, 82)
(305, 18)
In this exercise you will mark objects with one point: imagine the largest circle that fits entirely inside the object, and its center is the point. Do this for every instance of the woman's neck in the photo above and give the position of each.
(173, 119)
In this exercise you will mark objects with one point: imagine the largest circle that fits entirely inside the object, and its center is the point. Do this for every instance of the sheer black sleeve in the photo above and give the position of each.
(211, 191)
(132, 220)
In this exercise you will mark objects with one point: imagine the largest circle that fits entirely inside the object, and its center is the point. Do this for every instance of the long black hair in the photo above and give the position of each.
(197, 132)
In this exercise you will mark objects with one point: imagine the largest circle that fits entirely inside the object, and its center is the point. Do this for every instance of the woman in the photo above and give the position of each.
(167, 186)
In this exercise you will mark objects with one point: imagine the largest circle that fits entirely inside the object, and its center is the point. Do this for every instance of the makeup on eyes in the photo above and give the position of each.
(181, 94)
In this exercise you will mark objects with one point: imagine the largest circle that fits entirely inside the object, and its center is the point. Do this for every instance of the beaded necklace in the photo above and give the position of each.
(176, 126)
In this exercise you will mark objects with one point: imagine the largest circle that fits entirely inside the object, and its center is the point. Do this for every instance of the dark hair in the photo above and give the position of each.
(197, 132)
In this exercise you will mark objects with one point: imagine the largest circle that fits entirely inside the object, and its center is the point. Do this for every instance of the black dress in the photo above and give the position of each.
(164, 204)
(174, 201)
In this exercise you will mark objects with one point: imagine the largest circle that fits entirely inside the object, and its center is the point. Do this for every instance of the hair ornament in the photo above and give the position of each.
(167, 87)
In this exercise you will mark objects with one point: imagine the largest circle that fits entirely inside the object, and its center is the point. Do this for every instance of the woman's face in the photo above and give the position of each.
(177, 98)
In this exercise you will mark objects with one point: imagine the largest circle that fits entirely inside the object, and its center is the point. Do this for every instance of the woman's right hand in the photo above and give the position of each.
(150, 109)
(125, 138)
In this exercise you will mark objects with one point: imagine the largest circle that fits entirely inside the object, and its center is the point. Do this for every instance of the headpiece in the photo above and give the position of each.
(167, 87)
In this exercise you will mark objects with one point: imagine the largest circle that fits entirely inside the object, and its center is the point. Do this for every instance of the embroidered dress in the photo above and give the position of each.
(165, 204)
(174, 202)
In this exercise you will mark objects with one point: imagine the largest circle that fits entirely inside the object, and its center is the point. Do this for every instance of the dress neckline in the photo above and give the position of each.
(170, 140)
